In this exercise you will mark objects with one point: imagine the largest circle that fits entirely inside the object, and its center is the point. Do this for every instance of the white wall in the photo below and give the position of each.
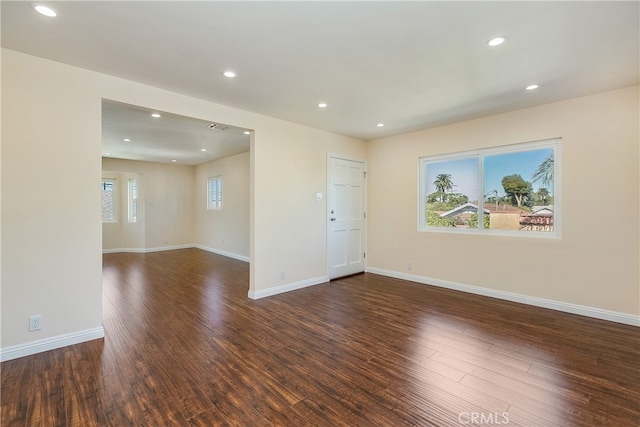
(0, 189)
(167, 192)
(595, 263)
(51, 261)
(289, 171)
(52, 134)
(225, 230)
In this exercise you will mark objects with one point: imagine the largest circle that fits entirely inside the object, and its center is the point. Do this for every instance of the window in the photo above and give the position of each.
(133, 200)
(108, 192)
(505, 190)
(214, 193)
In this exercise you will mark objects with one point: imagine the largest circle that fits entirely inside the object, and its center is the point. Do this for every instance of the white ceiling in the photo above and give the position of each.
(166, 138)
(410, 65)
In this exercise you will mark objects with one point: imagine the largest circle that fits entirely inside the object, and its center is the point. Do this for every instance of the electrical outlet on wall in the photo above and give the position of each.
(35, 323)
(410, 265)
(283, 275)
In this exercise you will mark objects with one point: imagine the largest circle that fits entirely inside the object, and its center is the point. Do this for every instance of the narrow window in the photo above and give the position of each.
(214, 193)
(108, 192)
(133, 200)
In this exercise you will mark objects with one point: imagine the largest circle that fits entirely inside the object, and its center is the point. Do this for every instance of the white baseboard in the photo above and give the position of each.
(147, 250)
(46, 344)
(118, 250)
(598, 313)
(287, 288)
(169, 248)
(174, 247)
(223, 253)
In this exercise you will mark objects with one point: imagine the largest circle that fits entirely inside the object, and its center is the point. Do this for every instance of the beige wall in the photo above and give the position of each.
(52, 260)
(51, 134)
(225, 230)
(1, 134)
(289, 171)
(167, 192)
(594, 263)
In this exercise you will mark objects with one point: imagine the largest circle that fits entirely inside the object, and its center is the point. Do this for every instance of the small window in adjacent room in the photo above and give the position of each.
(214, 193)
(512, 190)
(108, 193)
(133, 200)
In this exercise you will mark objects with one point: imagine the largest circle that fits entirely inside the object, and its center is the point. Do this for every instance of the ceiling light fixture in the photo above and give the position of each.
(45, 10)
(174, 160)
(203, 149)
(215, 126)
(156, 115)
(246, 132)
(229, 74)
(380, 125)
(107, 154)
(126, 139)
(532, 87)
(322, 105)
(496, 41)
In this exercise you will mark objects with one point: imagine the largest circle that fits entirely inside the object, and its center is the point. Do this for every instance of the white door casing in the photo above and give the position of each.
(346, 217)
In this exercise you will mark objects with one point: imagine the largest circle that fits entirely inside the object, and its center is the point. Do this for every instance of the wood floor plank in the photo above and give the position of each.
(515, 379)
(442, 386)
(548, 408)
(185, 346)
(526, 418)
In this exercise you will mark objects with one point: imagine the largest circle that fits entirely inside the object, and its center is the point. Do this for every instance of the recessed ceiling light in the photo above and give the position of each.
(229, 74)
(532, 87)
(174, 160)
(322, 105)
(496, 41)
(203, 149)
(126, 139)
(380, 125)
(156, 115)
(107, 154)
(246, 132)
(45, 10)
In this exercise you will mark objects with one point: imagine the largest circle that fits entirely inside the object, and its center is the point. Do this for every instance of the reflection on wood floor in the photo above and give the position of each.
(185, 346)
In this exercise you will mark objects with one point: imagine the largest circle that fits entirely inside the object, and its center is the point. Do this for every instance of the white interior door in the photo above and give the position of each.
(346, 216)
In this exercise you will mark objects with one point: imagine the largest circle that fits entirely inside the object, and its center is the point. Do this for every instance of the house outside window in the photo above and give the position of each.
(214, 193)
(511, 190)
(108, 197)
(133, 200)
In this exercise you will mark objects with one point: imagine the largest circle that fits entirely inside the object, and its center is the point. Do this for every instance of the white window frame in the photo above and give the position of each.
(114, 202)
(214, 203)
(480, 154)
(133, 201)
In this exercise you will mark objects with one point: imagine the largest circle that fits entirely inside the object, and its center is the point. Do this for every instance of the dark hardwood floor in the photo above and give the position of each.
(185, 346)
